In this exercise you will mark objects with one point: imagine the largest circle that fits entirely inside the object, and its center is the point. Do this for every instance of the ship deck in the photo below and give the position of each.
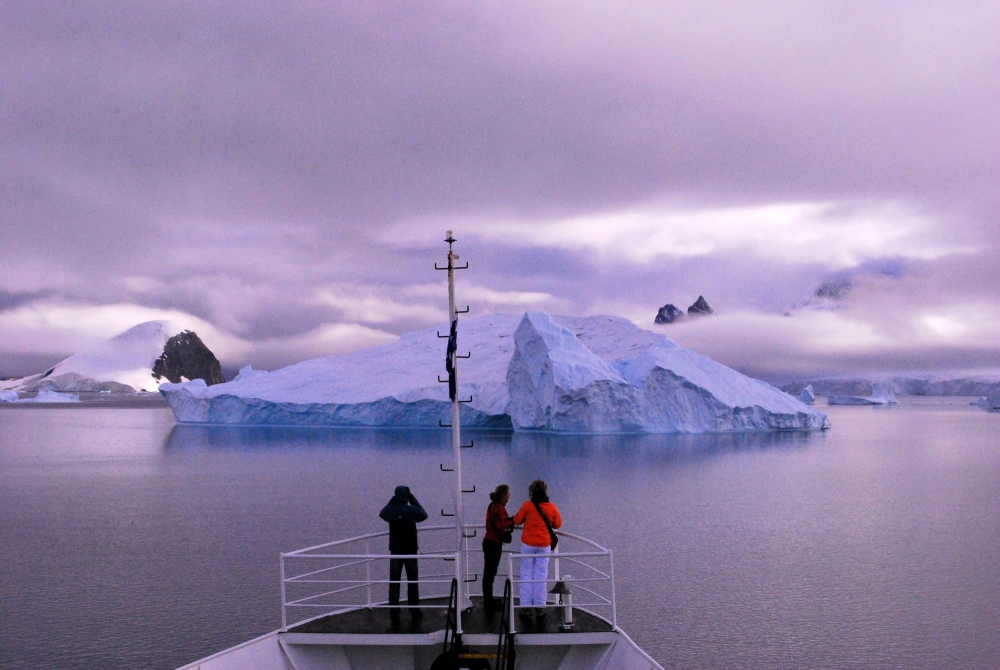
(474, 622)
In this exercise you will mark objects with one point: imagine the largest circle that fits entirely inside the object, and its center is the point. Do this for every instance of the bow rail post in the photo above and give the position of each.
(284, 608)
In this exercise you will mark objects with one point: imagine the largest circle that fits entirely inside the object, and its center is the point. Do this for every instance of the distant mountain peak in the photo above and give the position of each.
(700, 308)
(834, 290)
(668, 314)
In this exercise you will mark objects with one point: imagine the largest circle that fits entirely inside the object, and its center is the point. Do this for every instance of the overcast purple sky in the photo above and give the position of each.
(279, 176)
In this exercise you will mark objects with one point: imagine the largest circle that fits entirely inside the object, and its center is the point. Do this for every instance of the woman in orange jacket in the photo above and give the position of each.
(540, 519)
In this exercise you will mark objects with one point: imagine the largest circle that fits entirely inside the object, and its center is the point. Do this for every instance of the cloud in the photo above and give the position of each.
(838, 235)
(44, 330)
(370, 304)
(887, 326)
(326, 340)
(284, 172)
(46, 327)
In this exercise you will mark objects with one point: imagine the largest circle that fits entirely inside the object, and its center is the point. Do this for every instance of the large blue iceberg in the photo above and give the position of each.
(598, 374)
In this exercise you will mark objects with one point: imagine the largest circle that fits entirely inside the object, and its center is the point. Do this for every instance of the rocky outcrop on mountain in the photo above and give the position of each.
(833, 290)
(831, 295)
(668, 314)
(700, 308)
(185, 357)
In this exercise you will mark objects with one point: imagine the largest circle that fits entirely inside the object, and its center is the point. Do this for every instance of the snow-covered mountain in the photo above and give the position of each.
(530, 372)
(127, 361)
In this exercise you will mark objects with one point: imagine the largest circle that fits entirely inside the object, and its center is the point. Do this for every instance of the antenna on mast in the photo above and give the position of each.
(451, 366)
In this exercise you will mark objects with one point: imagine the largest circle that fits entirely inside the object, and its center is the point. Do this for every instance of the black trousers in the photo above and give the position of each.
(396, 566)
(491, 560)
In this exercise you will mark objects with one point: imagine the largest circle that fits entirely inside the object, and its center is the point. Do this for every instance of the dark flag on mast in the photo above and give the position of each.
(449, 360)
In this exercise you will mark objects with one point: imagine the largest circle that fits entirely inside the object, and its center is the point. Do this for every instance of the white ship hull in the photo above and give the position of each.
(350, 627)
(311, 651)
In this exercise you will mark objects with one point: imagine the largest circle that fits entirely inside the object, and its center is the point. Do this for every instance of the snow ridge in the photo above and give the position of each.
(122, 363)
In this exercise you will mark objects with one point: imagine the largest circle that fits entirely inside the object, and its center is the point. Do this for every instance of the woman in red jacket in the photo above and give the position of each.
(540, 519)
(498, 524)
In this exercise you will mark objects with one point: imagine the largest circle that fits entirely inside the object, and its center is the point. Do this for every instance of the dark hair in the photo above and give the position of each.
(499, 492)
(538, 491)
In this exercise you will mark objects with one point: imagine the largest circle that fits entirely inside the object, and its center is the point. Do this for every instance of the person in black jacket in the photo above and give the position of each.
(403, 514)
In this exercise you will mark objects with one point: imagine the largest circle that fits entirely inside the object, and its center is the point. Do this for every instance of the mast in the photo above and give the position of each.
(451, 365)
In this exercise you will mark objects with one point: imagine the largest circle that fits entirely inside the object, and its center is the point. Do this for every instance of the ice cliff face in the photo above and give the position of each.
(807, 395)
(531, 372)
(556, 383)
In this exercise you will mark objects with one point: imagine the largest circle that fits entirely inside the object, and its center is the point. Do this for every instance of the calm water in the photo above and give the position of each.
(128, 542)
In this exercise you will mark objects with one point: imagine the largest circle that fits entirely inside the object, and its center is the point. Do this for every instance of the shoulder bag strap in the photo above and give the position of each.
(552, 534)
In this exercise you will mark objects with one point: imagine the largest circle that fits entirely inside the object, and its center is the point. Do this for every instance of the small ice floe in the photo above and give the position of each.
(881, 395)
(989, 402)
(8, 396)
(52, 396)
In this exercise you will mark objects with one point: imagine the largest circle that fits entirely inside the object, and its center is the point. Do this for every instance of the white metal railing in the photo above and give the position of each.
(347, 575)
(586, 568)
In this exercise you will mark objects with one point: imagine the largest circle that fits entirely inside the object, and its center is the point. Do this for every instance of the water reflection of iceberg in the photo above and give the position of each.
(659, 448)
(187, 437)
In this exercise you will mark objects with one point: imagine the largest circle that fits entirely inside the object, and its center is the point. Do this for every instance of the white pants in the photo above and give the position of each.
(533, 593)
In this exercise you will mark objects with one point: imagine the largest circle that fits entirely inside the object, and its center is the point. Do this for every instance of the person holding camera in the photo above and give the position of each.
(403, 514)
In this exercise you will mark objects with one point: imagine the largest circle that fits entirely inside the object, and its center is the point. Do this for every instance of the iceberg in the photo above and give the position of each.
(50, 396)
(989, 402)
(8, 396)
(882, 394)
(807, 395)
(594, 374)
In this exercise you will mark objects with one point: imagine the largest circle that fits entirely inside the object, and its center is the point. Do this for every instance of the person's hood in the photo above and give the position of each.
(402, 491)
